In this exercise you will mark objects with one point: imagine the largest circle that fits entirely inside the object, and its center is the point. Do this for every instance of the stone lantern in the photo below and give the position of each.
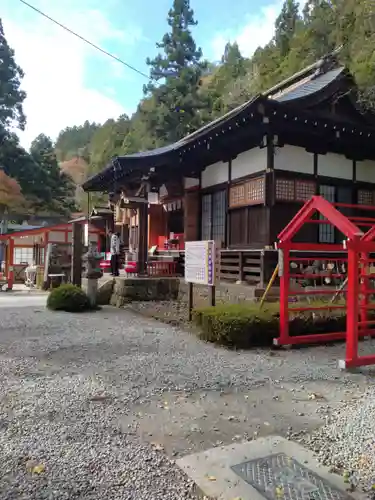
(92, 272)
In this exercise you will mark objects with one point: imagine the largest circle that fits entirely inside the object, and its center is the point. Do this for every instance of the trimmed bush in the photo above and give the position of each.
(244, 325)
(69, 298)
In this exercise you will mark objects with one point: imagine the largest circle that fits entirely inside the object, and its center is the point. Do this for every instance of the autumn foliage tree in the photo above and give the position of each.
(11, 196)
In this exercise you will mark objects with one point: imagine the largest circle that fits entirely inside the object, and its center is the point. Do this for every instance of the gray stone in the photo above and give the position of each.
(144, 289)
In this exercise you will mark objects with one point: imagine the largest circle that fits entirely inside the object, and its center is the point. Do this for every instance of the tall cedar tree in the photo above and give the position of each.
(180, 68)
(11, 96)
(285, 26)
(59, 185)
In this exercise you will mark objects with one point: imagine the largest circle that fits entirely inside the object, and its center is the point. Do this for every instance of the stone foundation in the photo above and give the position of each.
(226, 293)
(143, 289)
(119, 291)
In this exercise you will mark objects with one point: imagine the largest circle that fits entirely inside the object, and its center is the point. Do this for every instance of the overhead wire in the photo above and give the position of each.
(83, 39)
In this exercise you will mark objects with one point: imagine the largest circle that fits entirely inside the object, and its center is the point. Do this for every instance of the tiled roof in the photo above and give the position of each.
(307, 82)
(308, 86)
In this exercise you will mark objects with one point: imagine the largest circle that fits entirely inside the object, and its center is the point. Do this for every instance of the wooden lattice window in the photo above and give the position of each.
(304, 190)
(285, 189)
(237, 195)
(247, 193)
(254, 192)
(365, 197)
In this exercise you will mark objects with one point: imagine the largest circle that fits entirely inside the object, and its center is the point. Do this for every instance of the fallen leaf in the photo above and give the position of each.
(279, 491)
(38, 469)
(314, 395)
(157, 446)
(211, 478)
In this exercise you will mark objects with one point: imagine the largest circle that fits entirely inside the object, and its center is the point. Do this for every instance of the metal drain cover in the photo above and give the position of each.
(280, 477)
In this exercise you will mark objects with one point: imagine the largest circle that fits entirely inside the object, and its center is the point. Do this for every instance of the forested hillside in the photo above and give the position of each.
(186, 91)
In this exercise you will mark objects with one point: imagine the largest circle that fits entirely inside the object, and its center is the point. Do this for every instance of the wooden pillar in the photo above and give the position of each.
(270, 172)
(191, 215)
(10, 266)
(269, 187)
(143, 238)
(77, 251)
(227, 212)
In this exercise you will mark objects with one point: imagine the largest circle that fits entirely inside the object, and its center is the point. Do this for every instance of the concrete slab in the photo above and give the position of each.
(268, 468)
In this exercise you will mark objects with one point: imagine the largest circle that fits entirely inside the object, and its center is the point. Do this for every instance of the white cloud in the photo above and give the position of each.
(256, 32)
(55, 62)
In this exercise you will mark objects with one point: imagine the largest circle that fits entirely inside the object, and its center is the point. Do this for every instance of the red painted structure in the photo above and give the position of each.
(357, 245)
(27, 239)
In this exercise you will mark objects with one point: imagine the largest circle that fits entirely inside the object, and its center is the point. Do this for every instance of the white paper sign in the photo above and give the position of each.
(200, 262)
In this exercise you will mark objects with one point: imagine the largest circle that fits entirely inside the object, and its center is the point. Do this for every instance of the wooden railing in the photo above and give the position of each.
(254, 267)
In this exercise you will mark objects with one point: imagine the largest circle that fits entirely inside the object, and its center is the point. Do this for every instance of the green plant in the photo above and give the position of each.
(245, 325)
(68, 298)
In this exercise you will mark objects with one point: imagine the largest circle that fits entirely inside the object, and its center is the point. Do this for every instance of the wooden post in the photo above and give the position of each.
(77, 250)
(263, 263)
(190, 301)
(10, 266)
(212, 295)
(143, 239)
(240, 263)
(227, 211)
(47, 259)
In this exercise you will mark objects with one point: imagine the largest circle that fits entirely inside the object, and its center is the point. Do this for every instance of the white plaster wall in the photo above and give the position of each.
(215, 174)
(56, 236)
(249, 162)
(25, 240)
(294, 159)
(93, 237)
(153, 198)
(366, 171)
(333, 165)
(190, 182)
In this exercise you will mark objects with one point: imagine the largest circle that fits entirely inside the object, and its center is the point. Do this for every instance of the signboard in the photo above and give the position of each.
(200, 262)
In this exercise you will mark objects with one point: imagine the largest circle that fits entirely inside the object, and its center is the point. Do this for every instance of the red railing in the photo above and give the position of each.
(154, 268)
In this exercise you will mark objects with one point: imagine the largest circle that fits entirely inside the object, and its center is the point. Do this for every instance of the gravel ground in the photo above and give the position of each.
(347, 441)
(66, 380)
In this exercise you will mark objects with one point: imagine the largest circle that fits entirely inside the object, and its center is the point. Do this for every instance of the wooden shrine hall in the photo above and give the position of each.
(240, 179)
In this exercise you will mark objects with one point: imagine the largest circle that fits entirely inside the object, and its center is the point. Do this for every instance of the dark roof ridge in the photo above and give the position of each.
(326, 63)
(317, 67)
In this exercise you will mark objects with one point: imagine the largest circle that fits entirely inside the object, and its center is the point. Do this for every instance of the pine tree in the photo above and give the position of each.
(180, 69)
(11, 96)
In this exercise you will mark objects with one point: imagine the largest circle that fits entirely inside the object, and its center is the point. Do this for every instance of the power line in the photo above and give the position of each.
(85, 40)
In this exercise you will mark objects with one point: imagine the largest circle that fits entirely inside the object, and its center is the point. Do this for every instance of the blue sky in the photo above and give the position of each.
(68, 81)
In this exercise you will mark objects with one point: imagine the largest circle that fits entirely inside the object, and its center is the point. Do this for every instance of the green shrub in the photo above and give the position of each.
(68, 298)
(244, 325)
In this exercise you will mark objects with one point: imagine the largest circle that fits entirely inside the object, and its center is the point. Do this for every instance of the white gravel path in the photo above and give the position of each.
(347, 441)
(66, 379)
